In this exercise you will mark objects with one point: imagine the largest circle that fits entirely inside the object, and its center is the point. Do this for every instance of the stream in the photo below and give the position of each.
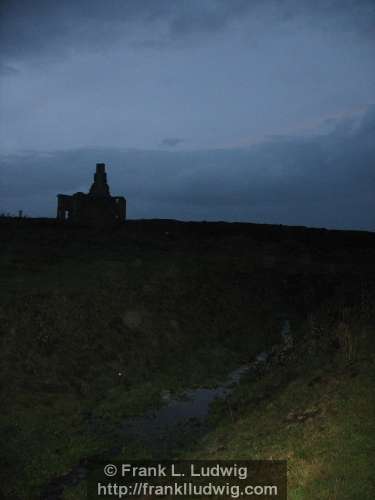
(173, 424)
(161, 429)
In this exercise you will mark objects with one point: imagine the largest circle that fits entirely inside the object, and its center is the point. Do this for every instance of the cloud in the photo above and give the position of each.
(6, 70)
(52, 29)
(171, 141)
(321, 180)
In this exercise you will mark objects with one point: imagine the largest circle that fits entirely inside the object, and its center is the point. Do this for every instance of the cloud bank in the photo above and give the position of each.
(319, 180)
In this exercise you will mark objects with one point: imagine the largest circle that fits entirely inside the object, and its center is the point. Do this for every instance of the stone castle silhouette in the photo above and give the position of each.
(97, 207)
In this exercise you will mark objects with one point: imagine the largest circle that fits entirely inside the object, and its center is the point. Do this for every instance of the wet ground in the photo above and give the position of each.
(183, 418)
(180, 421)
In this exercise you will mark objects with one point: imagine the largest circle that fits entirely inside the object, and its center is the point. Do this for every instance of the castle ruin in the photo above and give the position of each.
(97, 207)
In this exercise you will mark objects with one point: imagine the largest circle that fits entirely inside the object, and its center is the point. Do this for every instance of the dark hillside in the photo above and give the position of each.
(97, 325)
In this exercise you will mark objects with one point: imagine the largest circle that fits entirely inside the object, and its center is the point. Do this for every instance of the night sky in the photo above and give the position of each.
(237, 110)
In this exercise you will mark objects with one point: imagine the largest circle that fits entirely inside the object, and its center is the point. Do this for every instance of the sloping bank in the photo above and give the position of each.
(314, 406)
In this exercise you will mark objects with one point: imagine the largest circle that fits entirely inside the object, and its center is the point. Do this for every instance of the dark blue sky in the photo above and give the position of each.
(214, 109)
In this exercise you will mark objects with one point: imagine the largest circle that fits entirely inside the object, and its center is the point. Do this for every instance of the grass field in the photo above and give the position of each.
(95, 326)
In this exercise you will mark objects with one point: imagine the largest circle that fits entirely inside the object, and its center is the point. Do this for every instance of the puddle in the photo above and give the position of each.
(166, 427)
(185, 418)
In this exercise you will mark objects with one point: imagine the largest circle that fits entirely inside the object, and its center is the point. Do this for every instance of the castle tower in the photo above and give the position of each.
(97, 208)
(100, 187)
